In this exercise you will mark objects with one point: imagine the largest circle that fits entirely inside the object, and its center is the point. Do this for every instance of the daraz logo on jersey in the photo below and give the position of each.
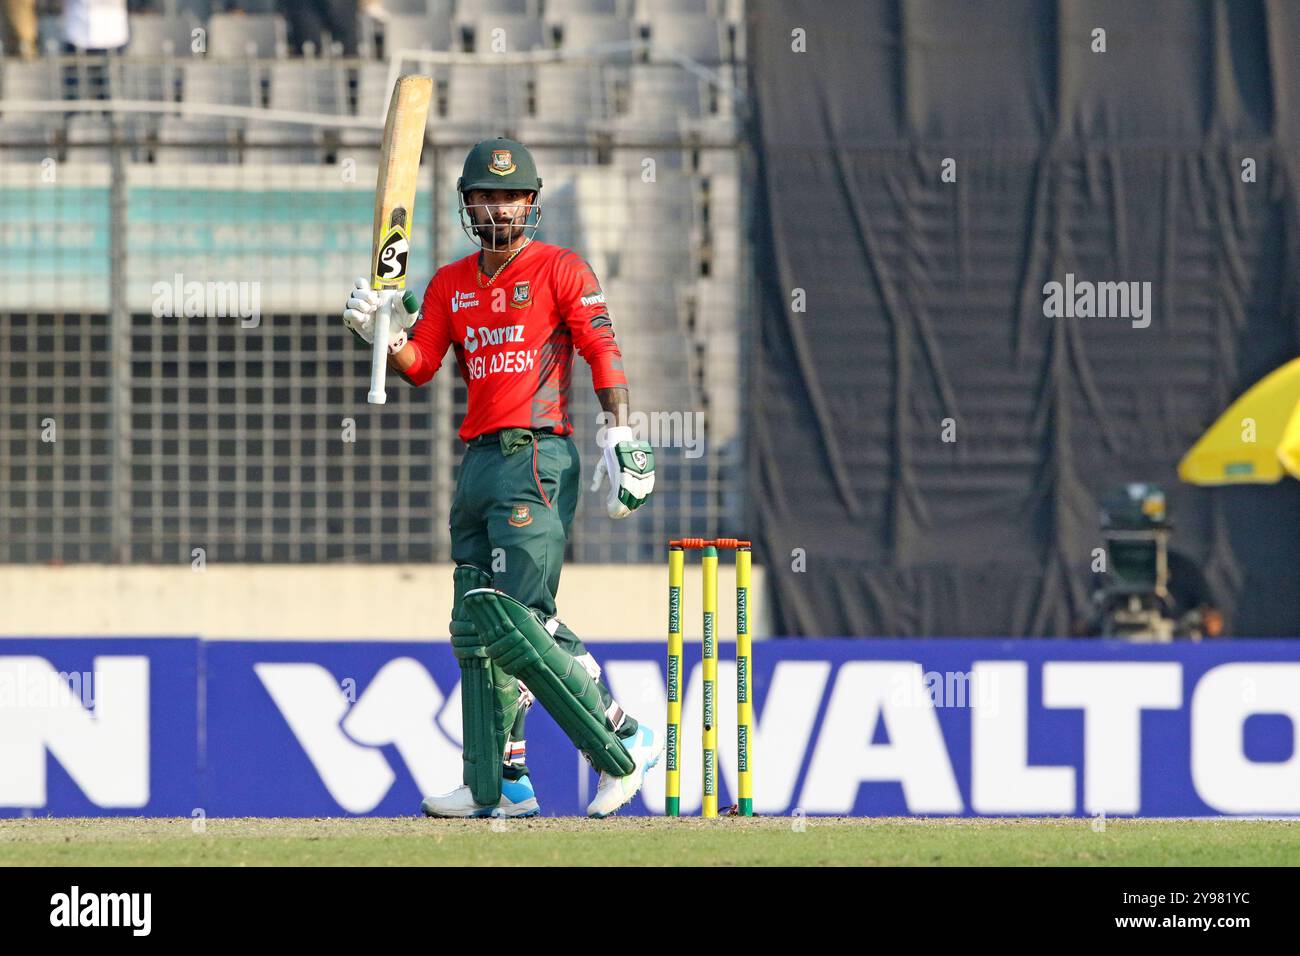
(485, 336)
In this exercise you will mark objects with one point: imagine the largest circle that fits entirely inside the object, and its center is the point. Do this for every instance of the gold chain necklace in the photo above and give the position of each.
(478, 273)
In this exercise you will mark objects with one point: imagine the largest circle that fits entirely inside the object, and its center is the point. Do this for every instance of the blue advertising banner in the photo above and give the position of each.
(95, 727)
(844, 727)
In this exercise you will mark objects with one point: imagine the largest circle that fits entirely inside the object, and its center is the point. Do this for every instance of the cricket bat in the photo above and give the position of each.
(399, 170)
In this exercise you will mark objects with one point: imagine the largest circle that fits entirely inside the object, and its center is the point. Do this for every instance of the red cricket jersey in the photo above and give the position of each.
(514, 339)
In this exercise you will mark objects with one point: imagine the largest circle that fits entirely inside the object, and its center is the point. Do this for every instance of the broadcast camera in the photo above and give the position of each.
(1138, 597)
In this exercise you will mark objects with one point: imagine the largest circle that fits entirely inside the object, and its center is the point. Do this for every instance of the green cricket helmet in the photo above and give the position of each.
(499, 163)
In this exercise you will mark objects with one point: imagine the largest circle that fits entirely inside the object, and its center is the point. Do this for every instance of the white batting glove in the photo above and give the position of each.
(364, 302)
(359, 313)
(630, 466)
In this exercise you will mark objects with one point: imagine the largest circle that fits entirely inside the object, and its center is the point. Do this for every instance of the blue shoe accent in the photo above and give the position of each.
(644, 737)
(517, 791)
(515, 796)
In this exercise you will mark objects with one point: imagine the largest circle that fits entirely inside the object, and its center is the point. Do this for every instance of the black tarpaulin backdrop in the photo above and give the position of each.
(925, 300)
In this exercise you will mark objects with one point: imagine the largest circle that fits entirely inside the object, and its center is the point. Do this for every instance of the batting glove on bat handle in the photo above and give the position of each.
(359, 313)
(364, 302)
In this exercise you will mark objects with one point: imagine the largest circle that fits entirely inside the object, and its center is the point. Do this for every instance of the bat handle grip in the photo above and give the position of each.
(379, 357)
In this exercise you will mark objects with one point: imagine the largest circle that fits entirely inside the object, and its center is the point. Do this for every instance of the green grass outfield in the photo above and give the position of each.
(816, 841)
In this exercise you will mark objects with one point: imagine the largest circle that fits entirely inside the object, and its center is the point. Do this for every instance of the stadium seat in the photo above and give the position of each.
(205, 140)
(660, 99)
(647, 11)
(670, 157)
(158, 34)
(408, 32)
(735, 23)
(648, 325)
(243, 6)
(721, 187)
(450, 240)
(553, 153)
(661, 228)
(467, 11)
(570, 198)
(696, 38)
(724, 252)
(357, 143)
(728, 93)
(88, 128)
(721, 180)
(198, 9)
(230, 84)
(519, 34)
(277, 143)
(133, 129)
(423, 8)
(130, 79)
(579, 32)
(717, 310)
(29, 139)
(233, 35)
(601, 208)
(570, 96)
(560, 222)
(373, 91)
(30, 80)
(312, 87)
(558, 10)
(441, 9)
(481, 100)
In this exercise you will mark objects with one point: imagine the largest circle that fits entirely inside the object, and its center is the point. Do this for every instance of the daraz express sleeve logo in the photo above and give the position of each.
(463, 300)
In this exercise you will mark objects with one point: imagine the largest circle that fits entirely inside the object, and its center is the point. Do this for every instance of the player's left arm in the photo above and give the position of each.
(628, 461)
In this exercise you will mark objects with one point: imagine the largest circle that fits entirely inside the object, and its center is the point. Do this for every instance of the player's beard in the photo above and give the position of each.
(500, 236)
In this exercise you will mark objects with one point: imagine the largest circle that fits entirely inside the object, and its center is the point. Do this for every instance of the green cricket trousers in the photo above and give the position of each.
(511, 514)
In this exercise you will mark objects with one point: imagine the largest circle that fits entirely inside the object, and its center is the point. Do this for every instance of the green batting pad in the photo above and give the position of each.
(483, 734)
(522, 647)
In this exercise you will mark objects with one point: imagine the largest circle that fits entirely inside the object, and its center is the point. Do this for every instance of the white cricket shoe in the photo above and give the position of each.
(645, 747)
(517, 800)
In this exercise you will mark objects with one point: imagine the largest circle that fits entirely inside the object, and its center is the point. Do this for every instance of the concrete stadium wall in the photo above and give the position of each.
(336, 602)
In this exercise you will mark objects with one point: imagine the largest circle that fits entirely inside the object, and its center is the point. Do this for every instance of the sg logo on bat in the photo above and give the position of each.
(390, 265)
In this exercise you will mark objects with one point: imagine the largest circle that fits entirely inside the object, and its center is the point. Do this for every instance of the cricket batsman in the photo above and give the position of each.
(513, 313)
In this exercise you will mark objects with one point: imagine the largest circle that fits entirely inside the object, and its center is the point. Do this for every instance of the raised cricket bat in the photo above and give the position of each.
(399, 169)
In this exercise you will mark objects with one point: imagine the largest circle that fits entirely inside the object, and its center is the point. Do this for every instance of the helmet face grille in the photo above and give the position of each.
(492, 235)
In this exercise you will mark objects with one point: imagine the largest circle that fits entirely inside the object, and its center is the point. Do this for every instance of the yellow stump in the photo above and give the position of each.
(709, 661)
(744, 702)
(672, 799)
